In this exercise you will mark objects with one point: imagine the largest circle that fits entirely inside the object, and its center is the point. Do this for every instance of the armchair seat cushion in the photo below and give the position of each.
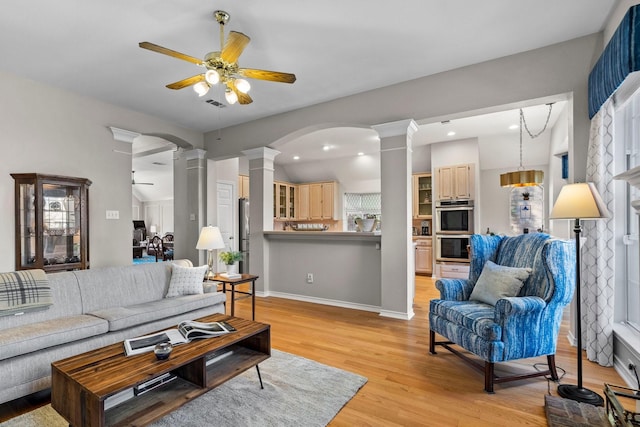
(475, 316)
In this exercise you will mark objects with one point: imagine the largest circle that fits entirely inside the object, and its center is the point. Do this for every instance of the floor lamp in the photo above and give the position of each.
(210, 239)
(579, 201)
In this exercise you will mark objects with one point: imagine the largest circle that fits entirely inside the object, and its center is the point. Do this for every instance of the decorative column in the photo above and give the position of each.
(397, 273)
(190, 194)
(261, 172)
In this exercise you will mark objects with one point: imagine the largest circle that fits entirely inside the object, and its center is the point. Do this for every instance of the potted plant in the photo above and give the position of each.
(230, 258)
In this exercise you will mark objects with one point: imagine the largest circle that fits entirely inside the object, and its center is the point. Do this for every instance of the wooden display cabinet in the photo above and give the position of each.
(52, 222)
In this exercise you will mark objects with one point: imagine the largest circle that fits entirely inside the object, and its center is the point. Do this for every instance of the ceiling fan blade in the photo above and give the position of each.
(233, 47)
(189, 81)
(273, 76)
(243, 98)
(165, 51)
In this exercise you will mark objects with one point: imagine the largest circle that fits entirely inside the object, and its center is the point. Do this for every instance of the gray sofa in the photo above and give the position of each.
(91, 309)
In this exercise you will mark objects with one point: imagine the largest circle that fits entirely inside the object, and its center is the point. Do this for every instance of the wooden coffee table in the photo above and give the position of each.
(81, 384)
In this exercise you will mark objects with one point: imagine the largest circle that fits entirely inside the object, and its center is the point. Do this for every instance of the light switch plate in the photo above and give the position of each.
(113, 214)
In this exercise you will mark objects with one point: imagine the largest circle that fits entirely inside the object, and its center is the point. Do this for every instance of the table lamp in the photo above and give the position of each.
(579, 201)
(210, 239)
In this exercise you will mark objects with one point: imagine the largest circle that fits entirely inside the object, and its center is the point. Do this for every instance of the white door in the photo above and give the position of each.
(226, 216)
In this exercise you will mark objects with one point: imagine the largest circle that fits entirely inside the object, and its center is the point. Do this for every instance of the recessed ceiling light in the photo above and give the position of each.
(513, 127)
(296, 157)
(326, 147)
(451, 133)
(360, 153)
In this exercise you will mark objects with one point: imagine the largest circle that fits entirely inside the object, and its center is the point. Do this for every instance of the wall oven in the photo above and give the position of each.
(454, 217)
(452, 248)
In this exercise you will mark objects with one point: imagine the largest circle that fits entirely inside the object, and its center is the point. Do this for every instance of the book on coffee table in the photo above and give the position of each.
(186, 331)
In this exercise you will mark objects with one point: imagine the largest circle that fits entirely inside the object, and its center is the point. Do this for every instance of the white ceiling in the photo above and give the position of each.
(335, 48)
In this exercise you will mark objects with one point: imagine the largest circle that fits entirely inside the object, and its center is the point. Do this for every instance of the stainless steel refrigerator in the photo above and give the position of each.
(243, 232)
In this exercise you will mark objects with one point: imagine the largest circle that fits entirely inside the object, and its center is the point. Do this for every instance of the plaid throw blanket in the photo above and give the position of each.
(22, 291)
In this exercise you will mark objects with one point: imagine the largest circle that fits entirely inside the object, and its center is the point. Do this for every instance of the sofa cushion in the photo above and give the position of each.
(475, 316)
(186, 280)
(36, 336)
(133, 315)
(23, 291)
(498, 281)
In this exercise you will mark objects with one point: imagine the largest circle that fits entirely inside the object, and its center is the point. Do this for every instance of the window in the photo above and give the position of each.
(363, 205)
(627, 141)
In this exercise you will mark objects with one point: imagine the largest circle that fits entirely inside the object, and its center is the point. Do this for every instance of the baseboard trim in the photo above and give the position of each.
(323, 301)
(397, 314)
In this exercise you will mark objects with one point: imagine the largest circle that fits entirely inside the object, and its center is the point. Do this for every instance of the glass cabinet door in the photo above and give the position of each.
(61, 224)
(51, 222)
(26, 225)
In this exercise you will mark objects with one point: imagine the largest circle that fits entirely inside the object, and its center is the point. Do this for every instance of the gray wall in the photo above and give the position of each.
(47, 130)
(559, 69)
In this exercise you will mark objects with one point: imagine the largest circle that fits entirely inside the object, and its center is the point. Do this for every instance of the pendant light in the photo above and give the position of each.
(522, 177)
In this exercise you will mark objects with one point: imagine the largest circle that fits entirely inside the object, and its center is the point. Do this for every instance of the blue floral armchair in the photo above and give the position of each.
(516, 327)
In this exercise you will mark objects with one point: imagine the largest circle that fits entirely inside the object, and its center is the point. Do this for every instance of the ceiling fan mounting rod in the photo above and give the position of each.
(222, 18)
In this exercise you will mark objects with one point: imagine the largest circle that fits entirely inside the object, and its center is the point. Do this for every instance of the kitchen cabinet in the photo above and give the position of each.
(302, 211)
(321, 200)
(51, 222)
(455, 182)
(424, 255)
(284, 200)
(422, 196)
(243, 186)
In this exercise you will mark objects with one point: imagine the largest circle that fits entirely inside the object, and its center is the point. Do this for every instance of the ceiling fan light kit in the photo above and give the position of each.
(222, 66)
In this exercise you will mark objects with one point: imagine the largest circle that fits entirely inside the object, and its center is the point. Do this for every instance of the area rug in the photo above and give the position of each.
(569, 413)
(297, 392)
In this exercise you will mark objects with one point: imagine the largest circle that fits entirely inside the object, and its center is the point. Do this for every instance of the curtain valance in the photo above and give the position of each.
(620, 58)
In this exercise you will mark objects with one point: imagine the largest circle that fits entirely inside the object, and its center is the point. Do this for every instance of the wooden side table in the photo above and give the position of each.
(230, 285)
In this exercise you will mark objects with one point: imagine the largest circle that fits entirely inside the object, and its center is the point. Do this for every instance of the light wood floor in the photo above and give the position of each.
(406, 385)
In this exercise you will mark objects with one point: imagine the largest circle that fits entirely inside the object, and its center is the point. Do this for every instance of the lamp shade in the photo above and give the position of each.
(522, 178)
(579, 201)
(210, 238)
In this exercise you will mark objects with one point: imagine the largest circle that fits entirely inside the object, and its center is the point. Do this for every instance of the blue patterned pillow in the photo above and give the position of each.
(498, 281)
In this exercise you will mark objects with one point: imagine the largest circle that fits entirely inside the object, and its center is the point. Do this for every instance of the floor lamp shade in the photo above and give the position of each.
(579, 201)
(210, 239)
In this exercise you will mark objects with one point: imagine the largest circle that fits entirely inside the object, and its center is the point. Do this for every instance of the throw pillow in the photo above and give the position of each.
(498, 281)
(22, 291)
(186, 280)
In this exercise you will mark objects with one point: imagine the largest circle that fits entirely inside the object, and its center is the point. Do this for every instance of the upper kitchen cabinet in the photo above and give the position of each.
(243, 186)
(302, 210)
(284, 203)
(322, 200)
(455, 182)
(422, 196)
(52, 222)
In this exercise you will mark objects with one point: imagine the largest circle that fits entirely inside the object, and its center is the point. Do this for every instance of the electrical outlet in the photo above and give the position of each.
(309, 277)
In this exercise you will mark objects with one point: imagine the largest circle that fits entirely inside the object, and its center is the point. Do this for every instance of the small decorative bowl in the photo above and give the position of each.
(163, 350)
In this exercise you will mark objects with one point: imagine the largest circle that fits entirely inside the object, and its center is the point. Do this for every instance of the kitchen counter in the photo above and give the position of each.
(322, 235)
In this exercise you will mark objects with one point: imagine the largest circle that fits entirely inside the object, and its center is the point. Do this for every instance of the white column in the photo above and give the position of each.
(398, 277)
(190, 184)
(261, 172)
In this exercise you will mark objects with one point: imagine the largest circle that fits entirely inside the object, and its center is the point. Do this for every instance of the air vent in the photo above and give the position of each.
(215, 103)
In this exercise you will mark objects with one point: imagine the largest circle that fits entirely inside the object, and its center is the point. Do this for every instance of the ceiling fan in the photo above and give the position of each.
(222, 66)
(133, 180)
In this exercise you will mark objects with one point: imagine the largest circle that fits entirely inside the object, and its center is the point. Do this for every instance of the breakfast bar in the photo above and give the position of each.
(337, 268)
